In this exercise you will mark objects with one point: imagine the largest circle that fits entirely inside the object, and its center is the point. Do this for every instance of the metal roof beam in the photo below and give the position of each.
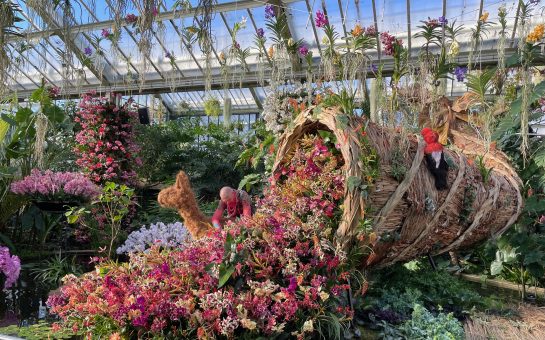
(256, 98)
(311, 16)
(168, 15)
(251, 79)
(72, 42)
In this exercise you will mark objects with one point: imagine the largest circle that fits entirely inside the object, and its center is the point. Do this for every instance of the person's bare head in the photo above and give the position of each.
(227, 194)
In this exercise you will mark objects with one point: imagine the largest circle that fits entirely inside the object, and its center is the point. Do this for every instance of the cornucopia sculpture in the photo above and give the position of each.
(410, 217)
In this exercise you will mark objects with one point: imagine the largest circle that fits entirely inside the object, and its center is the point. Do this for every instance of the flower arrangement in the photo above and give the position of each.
(274, 273)
(171, 235)
(49, 185)
(105, 142)
(212, 107)
(10, 267)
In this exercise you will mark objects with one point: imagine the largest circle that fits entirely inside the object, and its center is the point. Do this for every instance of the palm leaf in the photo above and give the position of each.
(481, 83)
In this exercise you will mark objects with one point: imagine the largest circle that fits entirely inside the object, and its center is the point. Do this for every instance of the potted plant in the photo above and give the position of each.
(51, 191)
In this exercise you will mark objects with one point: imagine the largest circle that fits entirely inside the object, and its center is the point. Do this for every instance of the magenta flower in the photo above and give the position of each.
(105, 33)
(370, 30)
(321, 19)
(49, 184)
(131, 18)
(303, 50)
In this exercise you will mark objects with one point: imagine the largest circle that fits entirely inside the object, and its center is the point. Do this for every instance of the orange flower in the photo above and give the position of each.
(318, 99)
(484, 17)
(115, 336)
(357, 31)
(537, 34)
(271, 52)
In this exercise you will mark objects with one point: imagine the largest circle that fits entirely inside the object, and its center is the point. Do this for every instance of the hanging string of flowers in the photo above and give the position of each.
(105, 143)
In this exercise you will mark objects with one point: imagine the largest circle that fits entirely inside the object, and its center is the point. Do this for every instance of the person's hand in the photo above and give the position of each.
(216, 225)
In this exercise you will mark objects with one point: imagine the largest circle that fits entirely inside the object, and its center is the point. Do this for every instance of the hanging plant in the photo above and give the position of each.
(183, 107)
(330, 56)
(204, 36)
(261, 59)
(212, 107)
(9, 17)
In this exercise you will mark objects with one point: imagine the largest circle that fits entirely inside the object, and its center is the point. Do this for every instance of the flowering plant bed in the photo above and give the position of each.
(276, 273)
(49, 189)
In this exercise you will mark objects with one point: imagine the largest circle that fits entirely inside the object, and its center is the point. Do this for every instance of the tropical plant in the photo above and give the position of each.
(424, 325)
(51, 271)
(113, 205)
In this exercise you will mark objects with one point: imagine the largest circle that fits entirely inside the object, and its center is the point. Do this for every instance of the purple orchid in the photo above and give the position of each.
(269, 12)
(460, 73)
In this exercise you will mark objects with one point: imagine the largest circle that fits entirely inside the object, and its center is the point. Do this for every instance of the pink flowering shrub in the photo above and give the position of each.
(105, 143)
(10, 267)
(55, 185)
(277, 272)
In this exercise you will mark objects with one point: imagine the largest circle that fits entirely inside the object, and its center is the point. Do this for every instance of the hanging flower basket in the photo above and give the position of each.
(212, 107)
(409, 216)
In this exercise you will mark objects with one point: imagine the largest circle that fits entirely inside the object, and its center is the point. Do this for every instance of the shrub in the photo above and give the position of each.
(424, 325)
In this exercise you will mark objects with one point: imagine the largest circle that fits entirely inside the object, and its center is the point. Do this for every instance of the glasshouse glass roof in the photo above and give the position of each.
(82, 46)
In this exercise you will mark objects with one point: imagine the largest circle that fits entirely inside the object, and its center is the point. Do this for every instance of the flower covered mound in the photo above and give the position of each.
(276, 272)
(10, 267)
(106, 148)
(56, 185)
(171, 235)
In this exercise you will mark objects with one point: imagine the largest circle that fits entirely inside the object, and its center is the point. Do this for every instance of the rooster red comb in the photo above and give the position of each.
(426, 131)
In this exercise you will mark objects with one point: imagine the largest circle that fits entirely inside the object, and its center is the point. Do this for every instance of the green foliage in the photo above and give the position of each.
(113, 205)
(481, 83)
(401, 287)
(208, 155)
(212, 107)
(41, 330)
(520, 250)
(17, 146)
(345, 100)
(398, 169)
(424, 325)
(51, 271)
(485, 172)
